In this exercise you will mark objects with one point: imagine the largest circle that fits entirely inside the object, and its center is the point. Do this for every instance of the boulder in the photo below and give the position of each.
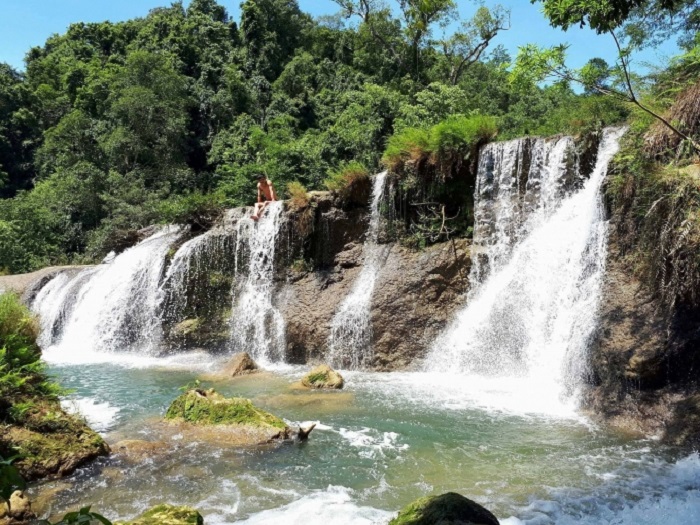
(240, 364)
(445, 509)
(137, 450)
(207, 414)
(323, 376)
(20, 507)
(167, 515)
(51, 443)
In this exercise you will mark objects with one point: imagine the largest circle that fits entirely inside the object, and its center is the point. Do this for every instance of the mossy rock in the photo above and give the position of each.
(445, 509)
(323, 376)
(50, 442)
(167, 515)
(208, 407)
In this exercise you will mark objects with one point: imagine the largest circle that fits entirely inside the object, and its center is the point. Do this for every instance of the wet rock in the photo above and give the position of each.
(137, 450)
(20, 508)
(186, 328)
(643, 366)
(167, 515)
(684, 426)
(446, 509)
(240, 364)
(323, 376)
(50, 442)
(209, 415)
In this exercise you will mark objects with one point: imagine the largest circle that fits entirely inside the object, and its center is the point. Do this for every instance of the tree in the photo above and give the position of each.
(534, 64)
(418, 20)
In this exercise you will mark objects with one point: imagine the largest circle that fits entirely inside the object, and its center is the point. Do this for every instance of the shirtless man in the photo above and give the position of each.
(266, 195)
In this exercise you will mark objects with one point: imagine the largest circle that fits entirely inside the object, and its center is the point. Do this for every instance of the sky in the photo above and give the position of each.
(28, 23)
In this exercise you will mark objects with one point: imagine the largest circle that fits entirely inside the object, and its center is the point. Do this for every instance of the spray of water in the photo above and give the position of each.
(531, 317)
(116, 308)
(350, 340)
(257, 326)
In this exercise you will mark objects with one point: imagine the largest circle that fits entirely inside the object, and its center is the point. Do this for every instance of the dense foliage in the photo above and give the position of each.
(114, 126)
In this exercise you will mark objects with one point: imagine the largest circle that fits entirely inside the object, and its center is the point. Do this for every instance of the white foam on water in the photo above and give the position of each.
(667, 494)
(100, 416)
(116, 310)
(350, 340)
(257, 326)
(334, 505)
(526, 329)
(370, 442)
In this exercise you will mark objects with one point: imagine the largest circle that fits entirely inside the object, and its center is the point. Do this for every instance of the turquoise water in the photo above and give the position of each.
(382, 442)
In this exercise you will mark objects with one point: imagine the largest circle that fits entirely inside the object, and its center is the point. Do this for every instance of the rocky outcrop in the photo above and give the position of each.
(167, 515)
(644, 364)
(27, 285)
(323, 376)
(240, 364)
(19, 509)
(50, 443)
(208, 414)
(415, 294)
(446, 509)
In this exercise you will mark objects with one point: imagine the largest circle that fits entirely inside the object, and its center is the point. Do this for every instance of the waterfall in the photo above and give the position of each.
(536, 287)
(257, 326)
(350, 340)
(111, 308)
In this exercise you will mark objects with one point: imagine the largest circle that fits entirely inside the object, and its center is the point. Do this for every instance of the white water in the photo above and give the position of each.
(529, 322)
(350, 340)
(257, 326)
(115, 309)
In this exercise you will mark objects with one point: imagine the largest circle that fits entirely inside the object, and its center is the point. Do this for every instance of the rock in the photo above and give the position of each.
(323, 376)
(446, 509)
(210, 415)
(51, 443)
(416, 293)
(167, 515)
(186, 328)
(240, 364)
(643, 365)
(136, 450)
(684, 426)
(20, 508)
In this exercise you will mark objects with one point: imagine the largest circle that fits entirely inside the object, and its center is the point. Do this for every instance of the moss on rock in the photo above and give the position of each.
(445, 509)
(208, 407)
(167, 515)
(323, 376)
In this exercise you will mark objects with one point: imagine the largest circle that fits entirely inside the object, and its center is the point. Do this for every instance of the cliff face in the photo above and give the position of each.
(644, 365)
(415, 292)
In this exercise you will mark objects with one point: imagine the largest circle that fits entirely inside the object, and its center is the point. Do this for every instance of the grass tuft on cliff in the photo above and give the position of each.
(207, 407)
(33, 425)
(445, 146)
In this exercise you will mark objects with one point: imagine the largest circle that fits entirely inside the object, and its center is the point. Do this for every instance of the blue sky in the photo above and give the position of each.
(27, 23)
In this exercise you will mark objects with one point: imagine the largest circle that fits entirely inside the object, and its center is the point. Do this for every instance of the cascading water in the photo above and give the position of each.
(531, 314)
(115, 306)
(350, 340)
(257, 326)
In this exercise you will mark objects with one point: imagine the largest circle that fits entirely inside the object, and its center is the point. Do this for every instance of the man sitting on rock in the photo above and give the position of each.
(266, 195)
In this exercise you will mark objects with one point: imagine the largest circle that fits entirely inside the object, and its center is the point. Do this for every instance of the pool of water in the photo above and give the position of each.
(383, 441)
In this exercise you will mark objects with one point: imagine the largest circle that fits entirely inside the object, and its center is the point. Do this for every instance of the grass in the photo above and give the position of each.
(444, 146)
(210, 408)
(348, 181)
(298, 196)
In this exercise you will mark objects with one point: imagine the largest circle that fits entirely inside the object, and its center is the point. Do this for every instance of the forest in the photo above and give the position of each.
(115, 126)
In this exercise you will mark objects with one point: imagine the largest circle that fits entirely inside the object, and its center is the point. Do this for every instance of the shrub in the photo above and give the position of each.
(297, 195)
(199, 210)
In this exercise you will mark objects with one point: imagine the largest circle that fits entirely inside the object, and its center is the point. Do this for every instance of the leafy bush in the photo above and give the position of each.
(21, 370)
(199, 210)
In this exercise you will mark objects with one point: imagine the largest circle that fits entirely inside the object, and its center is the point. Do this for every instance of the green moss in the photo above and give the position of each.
(323, 377)
(167, 515)
(446, 509)
(210, 408)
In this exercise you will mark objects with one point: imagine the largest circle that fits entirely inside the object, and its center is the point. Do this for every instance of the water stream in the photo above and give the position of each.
(350, 340)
